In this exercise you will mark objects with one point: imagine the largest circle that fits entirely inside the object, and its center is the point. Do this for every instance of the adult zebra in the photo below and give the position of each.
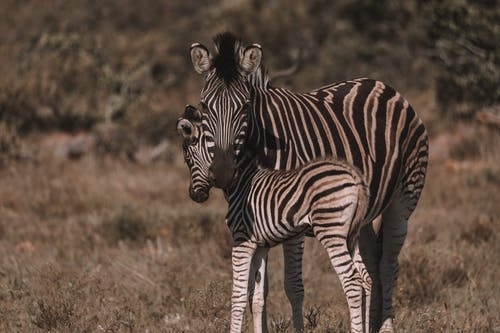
(267, 207)
(363, 121)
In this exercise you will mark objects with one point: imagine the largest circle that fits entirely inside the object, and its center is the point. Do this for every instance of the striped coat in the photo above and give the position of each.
(267, 207)
(363, 121)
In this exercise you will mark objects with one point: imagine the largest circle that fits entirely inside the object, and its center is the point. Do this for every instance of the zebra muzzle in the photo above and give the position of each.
(222, 170)
(198, 196)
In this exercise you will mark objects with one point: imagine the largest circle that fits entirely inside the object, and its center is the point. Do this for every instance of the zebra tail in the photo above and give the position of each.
(360, 214)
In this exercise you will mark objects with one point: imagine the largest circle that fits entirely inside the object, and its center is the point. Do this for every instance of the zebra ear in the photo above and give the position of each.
(200, 58)
(250, 60)
(186, 129)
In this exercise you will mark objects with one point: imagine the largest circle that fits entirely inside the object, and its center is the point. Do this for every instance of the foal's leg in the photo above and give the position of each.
(367, 285)
(334, 241)
(293, 249)
(242, 255)
(257, 290)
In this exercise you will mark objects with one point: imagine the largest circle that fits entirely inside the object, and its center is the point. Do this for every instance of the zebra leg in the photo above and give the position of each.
(257, 290)
(367, 285)
(394, 226)
(293, 249)
(242, 255)
(370, 250)
(340, 257)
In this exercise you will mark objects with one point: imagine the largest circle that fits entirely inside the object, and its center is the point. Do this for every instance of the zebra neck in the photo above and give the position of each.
(260, 140)
(238, 217)
(246, 169)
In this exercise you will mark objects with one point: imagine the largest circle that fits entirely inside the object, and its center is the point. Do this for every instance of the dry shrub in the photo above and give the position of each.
(152, 125)
(56, 300)
(415, 282)
(53, 315)
(212, 305)
(474, 141)
(454, 277)
(55, 86)
(479, 231)
(334, 324)
(115, 140)
(212, 300)
(425, 234)
(128, 223)
(422, 277)
(203, 224)
(15, 108)
(313, 316)
(483, 177)
(280, 324)
(9, 143)
(60, 299)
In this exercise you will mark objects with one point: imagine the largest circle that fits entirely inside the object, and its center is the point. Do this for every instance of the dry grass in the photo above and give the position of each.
(106, 245)
(100, 244)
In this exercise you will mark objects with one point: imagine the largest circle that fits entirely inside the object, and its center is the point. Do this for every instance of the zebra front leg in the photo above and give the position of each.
(350, 279)
(242, 255)
(293, 250)
(257, 290)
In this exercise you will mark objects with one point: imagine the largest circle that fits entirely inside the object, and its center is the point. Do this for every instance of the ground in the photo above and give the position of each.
(105, 244)
(97, 232)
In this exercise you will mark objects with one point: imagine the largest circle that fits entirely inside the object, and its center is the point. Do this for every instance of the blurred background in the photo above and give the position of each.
(97, 232)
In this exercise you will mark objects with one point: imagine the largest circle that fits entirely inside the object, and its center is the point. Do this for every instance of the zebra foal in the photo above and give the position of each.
(267, 207)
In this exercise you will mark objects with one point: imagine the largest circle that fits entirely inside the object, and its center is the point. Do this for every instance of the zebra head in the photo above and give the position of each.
(196, 155)
(225, 100)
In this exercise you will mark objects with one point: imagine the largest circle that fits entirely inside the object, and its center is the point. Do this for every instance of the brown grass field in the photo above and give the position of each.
(97, 236)
(106, 245)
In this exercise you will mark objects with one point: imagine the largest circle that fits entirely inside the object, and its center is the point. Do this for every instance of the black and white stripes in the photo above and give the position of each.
(363, 121)
(268, 207)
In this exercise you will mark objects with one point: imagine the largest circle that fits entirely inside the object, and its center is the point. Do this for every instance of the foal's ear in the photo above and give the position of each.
(250, 59)
(193, 114)
(186, 129)
(200, 58)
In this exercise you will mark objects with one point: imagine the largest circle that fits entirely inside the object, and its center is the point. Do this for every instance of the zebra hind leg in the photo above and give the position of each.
(336, 246)
(394, 227)
(293, 250)
(371, 250)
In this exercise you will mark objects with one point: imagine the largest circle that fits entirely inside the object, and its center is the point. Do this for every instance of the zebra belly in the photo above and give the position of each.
(272, 234)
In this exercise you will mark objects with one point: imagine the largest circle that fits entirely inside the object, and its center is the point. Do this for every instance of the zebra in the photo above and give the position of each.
(363, 121)
(267, 207)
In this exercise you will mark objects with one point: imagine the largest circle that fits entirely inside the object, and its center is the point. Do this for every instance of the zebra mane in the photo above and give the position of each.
(259, 78)
(227, 55)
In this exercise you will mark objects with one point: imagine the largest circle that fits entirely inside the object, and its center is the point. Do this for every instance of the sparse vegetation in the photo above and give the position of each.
(464, 35)
(93, 239)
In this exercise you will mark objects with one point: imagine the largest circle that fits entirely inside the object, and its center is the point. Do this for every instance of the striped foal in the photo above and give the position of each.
(268, 207)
